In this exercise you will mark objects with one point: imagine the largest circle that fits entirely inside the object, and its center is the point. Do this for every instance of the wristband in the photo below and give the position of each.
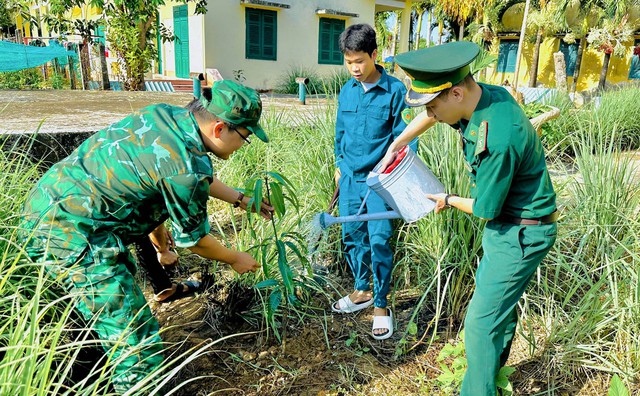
(239, 200)
(446, 199)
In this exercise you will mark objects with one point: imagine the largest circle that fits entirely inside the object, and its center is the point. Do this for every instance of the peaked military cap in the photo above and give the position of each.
(434, 69)
(236, 104)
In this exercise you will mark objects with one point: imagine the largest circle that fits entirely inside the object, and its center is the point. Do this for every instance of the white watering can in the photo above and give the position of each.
(404, 189)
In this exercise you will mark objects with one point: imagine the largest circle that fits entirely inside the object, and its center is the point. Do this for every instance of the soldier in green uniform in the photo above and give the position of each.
(121, 184)
(510, 188)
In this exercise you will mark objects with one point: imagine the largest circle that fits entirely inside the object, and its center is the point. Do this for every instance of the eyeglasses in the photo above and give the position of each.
(246, 139)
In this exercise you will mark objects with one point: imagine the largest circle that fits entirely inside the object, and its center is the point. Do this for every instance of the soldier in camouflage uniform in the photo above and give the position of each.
(121, 184)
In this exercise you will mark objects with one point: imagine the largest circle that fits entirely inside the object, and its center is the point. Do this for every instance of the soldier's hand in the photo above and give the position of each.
(439, 200)
(245, 263)
(168, 258)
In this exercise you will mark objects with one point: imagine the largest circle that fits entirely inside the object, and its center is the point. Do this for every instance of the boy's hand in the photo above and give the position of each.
(245, 263)
(388, 158)
(336, 176)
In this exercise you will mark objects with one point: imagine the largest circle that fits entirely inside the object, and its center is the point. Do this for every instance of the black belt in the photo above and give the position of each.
(548, 219)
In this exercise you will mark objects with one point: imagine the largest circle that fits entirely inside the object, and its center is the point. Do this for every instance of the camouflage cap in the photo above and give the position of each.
(236, 104)
(434, 69)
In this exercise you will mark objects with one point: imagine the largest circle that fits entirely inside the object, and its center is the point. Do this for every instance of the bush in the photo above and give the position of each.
(22, 79)
(329, 84)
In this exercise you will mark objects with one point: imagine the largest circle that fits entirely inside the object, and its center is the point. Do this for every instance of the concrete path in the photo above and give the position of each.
(90, 111)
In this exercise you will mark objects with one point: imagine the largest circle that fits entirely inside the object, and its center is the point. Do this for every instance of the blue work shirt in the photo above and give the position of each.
(368, 122)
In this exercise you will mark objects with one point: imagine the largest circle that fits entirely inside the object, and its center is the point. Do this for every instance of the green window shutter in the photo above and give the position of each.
(261, 32)
(570, 52)
(634, 70)
(181, 43)
(328, 45)
(507, 56)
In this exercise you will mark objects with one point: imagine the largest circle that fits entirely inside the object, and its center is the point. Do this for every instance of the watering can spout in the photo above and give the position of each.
(326, 220)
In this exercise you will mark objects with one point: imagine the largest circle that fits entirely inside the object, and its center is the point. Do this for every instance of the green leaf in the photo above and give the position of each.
(295, 249)
(281, 179)
(266, 283)
(277, 198)
(412, 328)
(617, 387)
(283, 266)
(257, 195)
(274, 300)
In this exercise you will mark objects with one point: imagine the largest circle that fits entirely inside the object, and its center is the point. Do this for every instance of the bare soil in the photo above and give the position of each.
(323, 353)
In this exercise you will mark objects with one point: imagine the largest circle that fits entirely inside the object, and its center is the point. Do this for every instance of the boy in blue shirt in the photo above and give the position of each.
(371, 114)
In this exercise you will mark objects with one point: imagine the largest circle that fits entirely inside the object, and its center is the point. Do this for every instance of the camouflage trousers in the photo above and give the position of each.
(114, 306)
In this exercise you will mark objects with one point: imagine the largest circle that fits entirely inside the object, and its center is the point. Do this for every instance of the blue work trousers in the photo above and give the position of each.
(366, 244)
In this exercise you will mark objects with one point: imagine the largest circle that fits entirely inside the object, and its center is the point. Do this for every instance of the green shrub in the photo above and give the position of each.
(327, 84)
(22, 79)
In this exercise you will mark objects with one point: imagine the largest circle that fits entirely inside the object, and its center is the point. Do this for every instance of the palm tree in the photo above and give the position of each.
(462, 11)
(578, 27)
(546, 20)
(383, 35)
(609, 39)
(420, 8)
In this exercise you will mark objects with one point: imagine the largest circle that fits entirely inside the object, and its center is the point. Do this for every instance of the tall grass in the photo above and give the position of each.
(581, 313)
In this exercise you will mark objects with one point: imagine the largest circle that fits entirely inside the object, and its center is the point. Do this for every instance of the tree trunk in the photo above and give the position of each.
(418, 30)
(533, 75)
(429, 28)
(84, 64)
(603, 72)
(396, 30)
(440, 28)
(106, 85)
(561, 71)
(523, 29)
(72, 73)
(576, 70)
(461, 35)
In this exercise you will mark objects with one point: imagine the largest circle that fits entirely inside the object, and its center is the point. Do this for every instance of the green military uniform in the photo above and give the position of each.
(509, 182)
(120, 184)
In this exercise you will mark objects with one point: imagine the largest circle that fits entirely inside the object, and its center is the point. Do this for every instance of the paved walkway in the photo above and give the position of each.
(89, 111)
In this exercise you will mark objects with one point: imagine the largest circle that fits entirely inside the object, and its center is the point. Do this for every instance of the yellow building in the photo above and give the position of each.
(621, 69)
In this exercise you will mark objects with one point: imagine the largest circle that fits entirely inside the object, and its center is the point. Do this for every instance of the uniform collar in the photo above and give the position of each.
(195, 136)
(383, 82)
(483, 103)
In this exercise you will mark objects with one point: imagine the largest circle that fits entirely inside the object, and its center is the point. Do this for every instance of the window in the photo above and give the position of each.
(634, 71)
(328, 47)
(261, 34)
(507, 56)
(570, 52)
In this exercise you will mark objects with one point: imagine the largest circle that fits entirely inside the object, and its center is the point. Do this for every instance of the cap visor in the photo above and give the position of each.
(414, 99)
(259, 132)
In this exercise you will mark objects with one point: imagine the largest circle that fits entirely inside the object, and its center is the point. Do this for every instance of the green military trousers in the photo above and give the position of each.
(511, 255)
(114, 306)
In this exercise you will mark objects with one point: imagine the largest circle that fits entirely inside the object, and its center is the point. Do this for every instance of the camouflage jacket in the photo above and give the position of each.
(120, 184)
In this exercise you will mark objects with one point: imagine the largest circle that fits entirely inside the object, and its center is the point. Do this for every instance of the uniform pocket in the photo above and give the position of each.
(377, 118)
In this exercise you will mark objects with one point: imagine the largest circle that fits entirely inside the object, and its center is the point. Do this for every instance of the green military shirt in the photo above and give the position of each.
(505, 160)
(121, 183)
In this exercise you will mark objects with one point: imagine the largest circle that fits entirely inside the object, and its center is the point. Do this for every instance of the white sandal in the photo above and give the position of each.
(345, 305)
(383, 322)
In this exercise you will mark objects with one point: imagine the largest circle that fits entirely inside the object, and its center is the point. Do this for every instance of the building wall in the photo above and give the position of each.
(196, 40)
(223, 38)
(590, 68)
